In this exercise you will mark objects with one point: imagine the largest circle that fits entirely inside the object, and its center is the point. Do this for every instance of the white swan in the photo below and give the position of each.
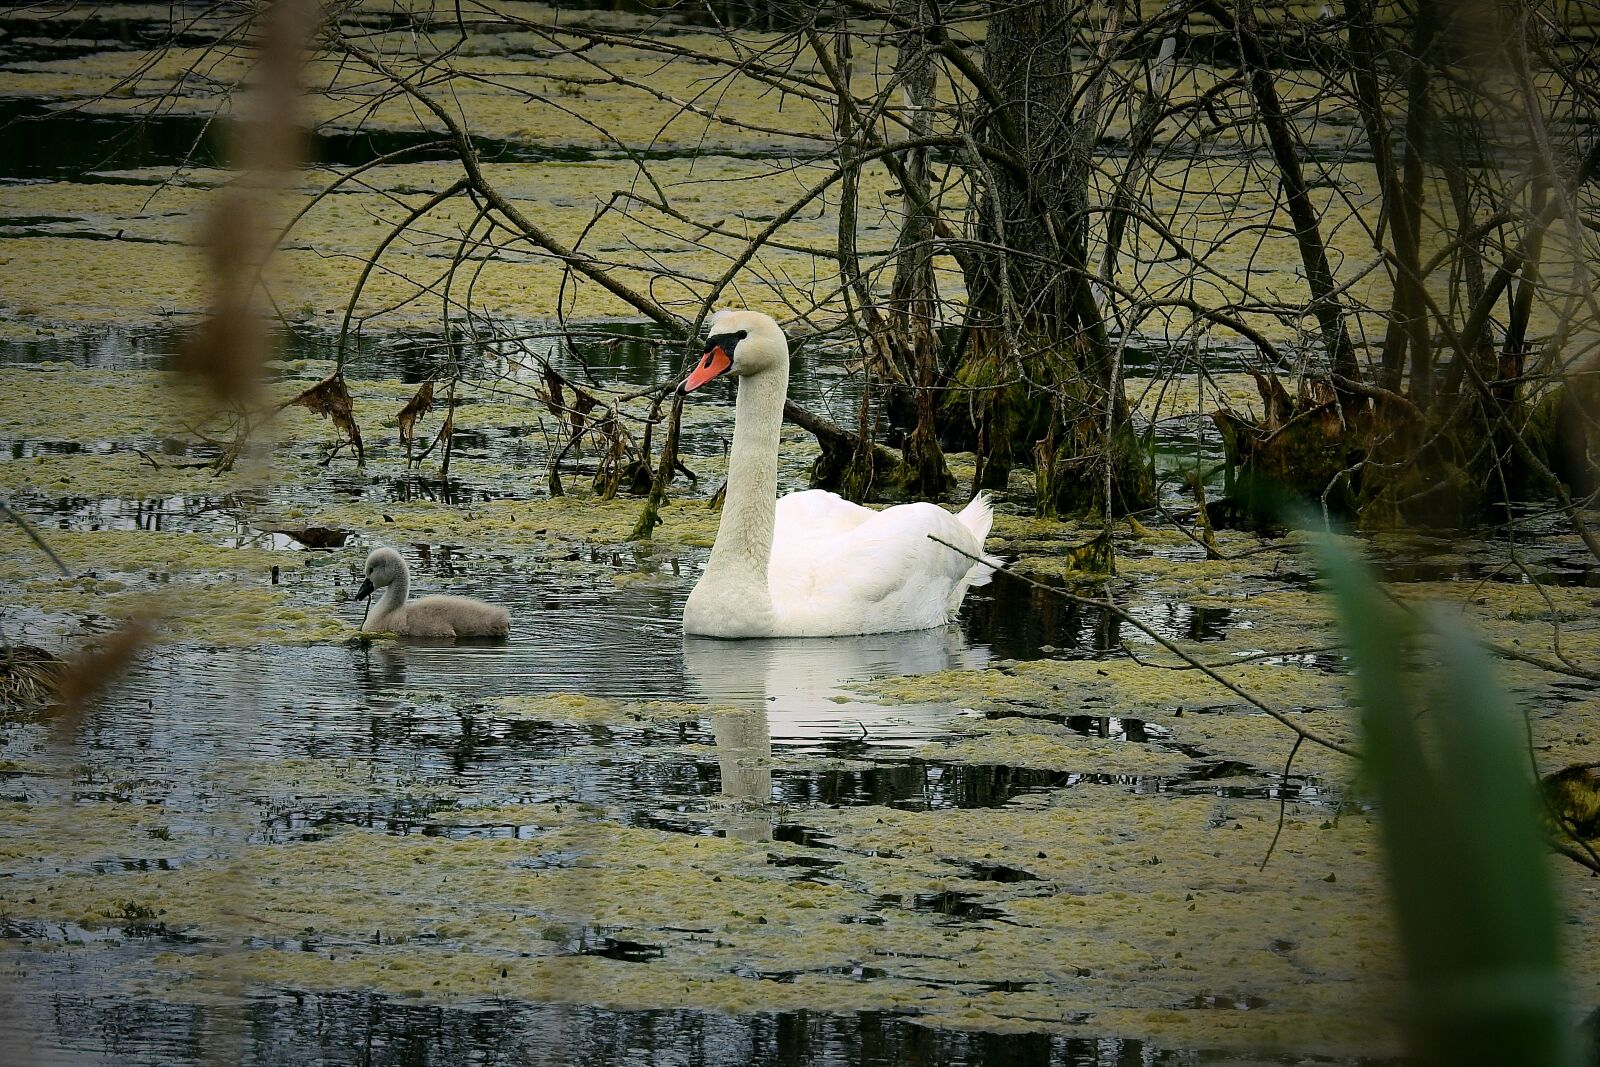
(429, 616)
(814, 564)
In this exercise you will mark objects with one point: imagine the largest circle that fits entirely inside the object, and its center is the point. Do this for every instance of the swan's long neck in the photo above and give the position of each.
(744, 537)
(394, 595)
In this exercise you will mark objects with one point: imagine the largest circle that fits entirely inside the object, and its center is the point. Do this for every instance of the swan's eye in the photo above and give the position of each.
(740, 335)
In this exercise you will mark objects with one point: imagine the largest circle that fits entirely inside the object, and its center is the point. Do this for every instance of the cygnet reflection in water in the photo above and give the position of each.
(794, 691)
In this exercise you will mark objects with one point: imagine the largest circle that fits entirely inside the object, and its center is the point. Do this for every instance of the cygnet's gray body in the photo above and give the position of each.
(429, 616)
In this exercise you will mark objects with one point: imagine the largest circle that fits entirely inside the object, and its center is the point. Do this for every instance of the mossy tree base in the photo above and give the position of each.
(874, 473)
(1563, 432)
(1071, 476)
(1297, 452)
(1007, 420)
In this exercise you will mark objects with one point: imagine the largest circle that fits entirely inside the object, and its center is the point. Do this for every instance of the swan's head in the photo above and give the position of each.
(741, 343)
(384, 567)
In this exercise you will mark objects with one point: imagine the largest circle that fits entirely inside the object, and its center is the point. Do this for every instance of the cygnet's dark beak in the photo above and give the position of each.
(365, 590)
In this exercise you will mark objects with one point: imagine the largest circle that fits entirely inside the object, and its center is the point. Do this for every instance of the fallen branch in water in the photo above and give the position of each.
(832, 435)
(1283, 803)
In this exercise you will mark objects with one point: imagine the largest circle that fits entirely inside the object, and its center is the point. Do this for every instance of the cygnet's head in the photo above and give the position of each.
(741, 343)
(384, 566)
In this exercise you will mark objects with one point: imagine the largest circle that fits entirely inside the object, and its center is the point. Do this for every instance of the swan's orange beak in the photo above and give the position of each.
(713, 363)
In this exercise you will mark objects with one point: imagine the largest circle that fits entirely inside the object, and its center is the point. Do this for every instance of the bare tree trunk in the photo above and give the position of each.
(1038, 380)
(859, 474)
(890, 352)
(1400, 206)
(1413, 315)
(1456, 166)
(1140, 140)
(914, 302)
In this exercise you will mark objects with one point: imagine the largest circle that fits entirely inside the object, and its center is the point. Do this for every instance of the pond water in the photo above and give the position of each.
(226, 756)
(222, 752)
(371, 1029)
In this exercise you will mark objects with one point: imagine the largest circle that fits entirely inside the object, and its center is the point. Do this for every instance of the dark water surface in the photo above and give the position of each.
(371, 1030)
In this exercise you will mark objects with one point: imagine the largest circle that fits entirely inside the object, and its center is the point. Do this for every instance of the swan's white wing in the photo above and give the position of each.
(884, 573)
(816, 514)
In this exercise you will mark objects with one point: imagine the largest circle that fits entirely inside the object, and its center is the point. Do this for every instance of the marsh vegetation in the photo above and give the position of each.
(285, 282)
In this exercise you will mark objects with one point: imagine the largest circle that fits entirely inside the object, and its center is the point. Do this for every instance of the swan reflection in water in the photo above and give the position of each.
(795, 691)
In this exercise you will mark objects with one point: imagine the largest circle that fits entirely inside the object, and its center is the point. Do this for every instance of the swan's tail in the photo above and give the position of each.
(978, 518)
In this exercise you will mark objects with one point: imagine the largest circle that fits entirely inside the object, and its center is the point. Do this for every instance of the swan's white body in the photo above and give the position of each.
(814, 564)
(429, 616)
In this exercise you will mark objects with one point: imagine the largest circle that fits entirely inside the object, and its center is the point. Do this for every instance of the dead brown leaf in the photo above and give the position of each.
(330, 398)
(553, 397)
(417, 407)
(582, 404)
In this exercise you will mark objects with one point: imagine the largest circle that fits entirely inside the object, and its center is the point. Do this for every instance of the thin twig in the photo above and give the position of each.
(33, 535)
(1283, 803)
